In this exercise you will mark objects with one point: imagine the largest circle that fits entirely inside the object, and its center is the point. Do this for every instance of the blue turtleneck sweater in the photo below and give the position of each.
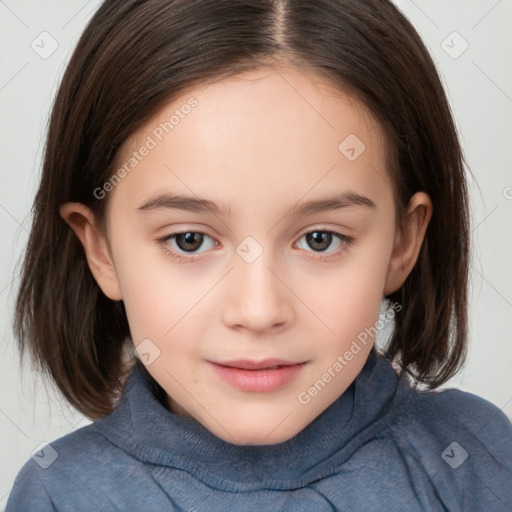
(382, 446)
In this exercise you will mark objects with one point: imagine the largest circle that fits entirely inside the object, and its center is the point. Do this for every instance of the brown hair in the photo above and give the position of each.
(133, 57)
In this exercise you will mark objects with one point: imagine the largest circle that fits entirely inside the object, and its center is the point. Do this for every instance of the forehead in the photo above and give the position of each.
(277, 130)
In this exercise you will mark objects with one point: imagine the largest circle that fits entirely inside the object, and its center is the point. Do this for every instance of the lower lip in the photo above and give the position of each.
(257, 380)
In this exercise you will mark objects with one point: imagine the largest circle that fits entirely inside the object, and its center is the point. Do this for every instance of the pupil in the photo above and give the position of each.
(188, 239)
(317, 236)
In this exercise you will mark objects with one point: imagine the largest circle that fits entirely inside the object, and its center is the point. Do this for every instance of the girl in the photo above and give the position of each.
(306, 152)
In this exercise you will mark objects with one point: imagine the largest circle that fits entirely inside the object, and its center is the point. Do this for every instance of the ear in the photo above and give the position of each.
(81, 220)
(408, 241)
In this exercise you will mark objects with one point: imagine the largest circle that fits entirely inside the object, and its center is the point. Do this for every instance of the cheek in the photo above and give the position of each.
(348, 300)
(161, 307)
(157, 300)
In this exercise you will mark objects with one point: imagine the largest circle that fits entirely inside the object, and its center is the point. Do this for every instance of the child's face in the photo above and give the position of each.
(257, 288)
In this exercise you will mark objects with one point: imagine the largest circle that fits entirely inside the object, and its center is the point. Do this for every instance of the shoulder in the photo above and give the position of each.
(69, 466)
(463, 415)
(463, 441)
(452, 406)
(28, 492)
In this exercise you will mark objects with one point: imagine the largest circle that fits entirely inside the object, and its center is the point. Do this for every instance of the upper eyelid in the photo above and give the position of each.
(316, 227)
(198, 231)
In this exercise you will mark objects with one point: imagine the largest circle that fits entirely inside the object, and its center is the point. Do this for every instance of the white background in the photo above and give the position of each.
(479, 86)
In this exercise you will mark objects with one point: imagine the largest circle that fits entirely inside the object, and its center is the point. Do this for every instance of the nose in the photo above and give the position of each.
(258, 298)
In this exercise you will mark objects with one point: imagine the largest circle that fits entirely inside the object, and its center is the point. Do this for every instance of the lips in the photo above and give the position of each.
(246, 364)
(257, 376)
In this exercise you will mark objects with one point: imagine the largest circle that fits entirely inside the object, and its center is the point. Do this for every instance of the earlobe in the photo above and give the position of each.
(81, 220)
(408, 241)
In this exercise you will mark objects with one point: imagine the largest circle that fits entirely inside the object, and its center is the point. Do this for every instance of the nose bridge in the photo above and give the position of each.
(252, 268)
(258, 298)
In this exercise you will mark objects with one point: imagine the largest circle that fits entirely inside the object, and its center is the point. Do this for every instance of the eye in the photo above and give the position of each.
(178, 245)
(183, 246)
(319, 240)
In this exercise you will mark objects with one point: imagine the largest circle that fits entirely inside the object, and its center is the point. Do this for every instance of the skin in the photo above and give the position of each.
(260, 143)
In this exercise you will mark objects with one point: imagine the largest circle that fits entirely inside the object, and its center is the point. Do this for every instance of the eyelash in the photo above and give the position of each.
(346, 241)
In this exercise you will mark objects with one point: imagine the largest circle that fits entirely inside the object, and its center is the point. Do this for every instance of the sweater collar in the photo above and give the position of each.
(144, 428)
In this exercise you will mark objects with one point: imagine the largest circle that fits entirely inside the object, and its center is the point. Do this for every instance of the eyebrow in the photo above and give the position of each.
(195, 204)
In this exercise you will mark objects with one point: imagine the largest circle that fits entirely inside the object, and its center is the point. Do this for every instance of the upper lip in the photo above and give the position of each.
(247, 364)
